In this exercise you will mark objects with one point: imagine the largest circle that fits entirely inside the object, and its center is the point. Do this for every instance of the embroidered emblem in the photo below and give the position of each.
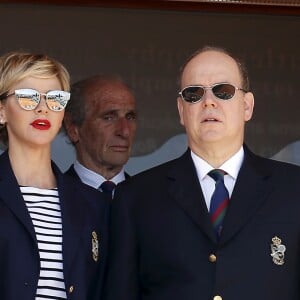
(95, 246)
(278, 250)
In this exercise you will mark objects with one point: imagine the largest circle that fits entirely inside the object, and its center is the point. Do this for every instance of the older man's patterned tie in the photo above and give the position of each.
(219, 200)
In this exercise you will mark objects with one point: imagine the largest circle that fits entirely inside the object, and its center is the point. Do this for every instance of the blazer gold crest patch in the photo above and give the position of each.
(95, 246)
(278, 250)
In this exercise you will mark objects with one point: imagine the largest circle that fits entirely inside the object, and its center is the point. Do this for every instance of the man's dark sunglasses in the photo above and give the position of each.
(223, 91)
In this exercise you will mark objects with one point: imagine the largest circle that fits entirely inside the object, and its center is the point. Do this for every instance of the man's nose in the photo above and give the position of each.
(123, 127)
(209, 99)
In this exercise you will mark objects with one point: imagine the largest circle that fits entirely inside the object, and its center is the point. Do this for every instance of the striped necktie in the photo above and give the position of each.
(219, 200)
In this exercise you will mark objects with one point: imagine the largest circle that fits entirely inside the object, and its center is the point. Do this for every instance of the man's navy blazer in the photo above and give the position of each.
(84, 214)
(163, 246)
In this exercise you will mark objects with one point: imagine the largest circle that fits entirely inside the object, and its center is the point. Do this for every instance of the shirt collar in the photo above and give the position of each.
(94, 179)
(231, 166)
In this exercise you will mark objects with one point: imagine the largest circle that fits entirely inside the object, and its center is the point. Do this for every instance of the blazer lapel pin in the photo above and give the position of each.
(95, 246)
(278, 250)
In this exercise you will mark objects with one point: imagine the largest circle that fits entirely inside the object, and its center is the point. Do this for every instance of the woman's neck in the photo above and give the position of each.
(32, 167)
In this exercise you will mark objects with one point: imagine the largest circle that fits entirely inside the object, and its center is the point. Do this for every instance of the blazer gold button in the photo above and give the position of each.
(213, 258)
(217, 298)
(71, 289)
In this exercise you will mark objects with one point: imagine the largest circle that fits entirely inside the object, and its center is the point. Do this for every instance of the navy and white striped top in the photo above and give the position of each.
(44, 208)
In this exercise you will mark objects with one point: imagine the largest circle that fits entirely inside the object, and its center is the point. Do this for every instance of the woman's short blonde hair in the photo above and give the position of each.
(15, 66)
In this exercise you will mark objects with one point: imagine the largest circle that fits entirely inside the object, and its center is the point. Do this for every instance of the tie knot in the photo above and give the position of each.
(107, 186)
(217, 174)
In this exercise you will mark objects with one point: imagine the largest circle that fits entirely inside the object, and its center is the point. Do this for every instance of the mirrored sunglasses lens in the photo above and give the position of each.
(57, 100)
(224, 91)
(27, 99)
(192, 93)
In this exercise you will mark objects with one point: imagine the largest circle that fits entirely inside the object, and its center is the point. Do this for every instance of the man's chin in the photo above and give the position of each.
(118, 160)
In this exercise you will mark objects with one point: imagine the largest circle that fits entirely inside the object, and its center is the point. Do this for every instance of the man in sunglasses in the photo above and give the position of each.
(217, 223)
(100, 120)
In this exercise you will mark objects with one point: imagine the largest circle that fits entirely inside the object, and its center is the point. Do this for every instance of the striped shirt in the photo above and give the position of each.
(44, 208)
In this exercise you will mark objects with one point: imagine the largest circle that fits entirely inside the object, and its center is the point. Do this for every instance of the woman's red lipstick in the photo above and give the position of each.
(41, 124)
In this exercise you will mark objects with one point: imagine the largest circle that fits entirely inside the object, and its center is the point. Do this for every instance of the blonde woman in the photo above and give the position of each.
(52, 229)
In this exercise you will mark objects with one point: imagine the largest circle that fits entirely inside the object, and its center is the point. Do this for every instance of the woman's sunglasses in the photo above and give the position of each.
(29, 99)
(223, 91)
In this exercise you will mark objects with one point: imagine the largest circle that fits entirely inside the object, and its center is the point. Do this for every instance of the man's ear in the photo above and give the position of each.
(180, 110)
(71, 129)
(248, 106)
